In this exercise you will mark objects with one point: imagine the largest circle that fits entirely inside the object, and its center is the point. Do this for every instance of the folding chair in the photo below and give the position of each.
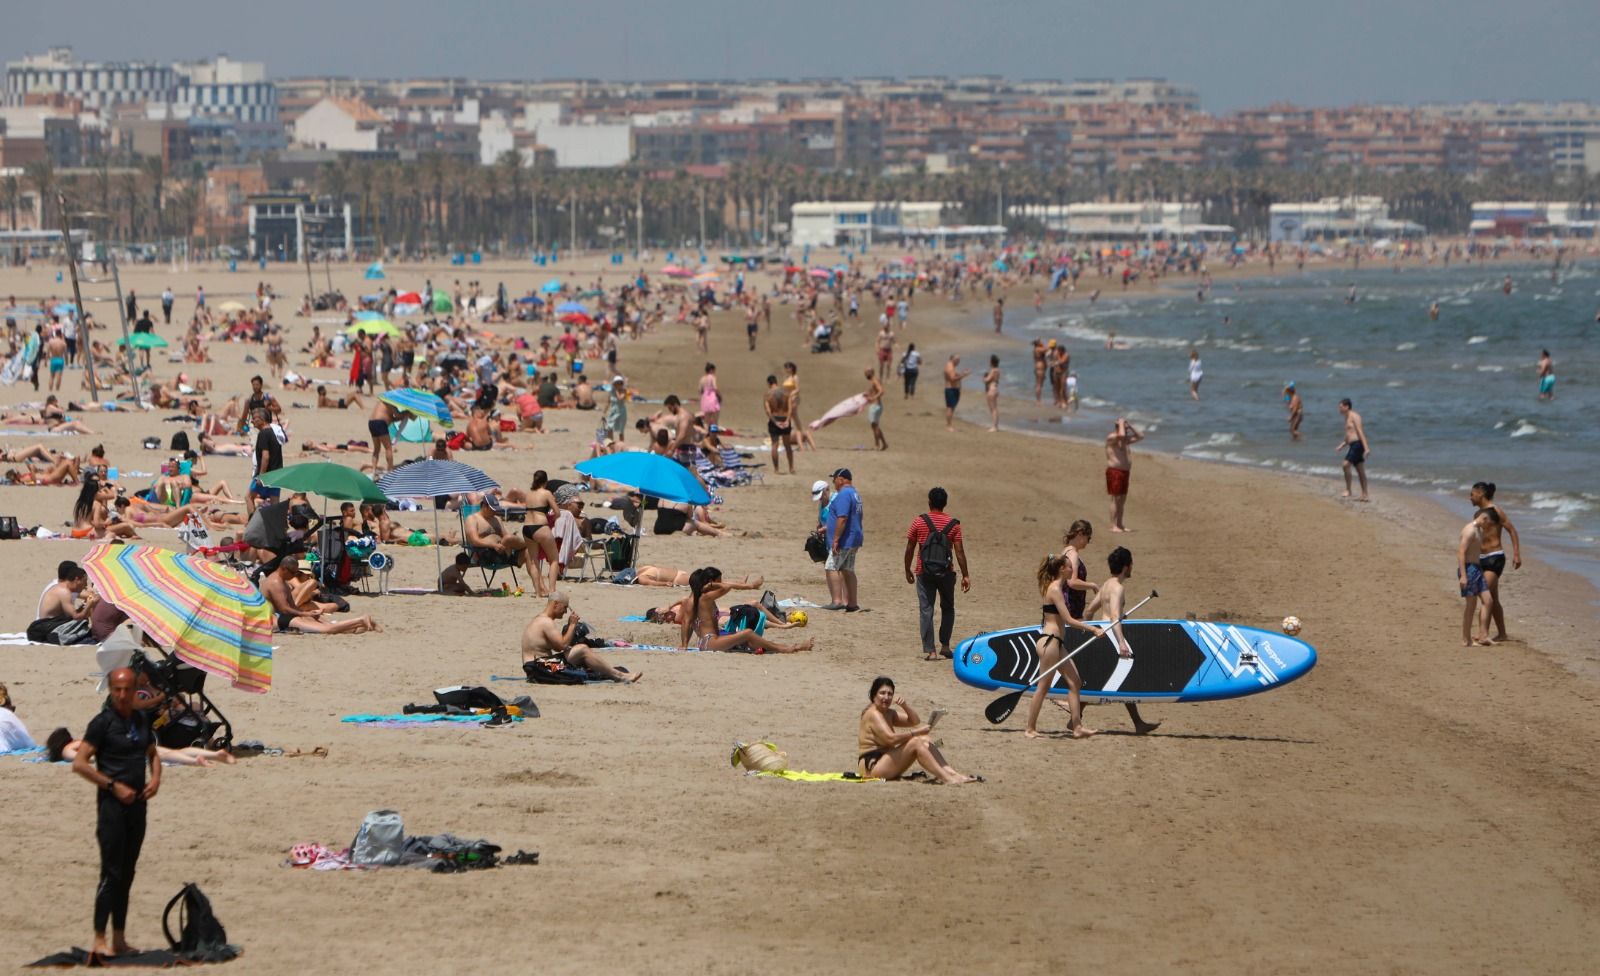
(489, 562)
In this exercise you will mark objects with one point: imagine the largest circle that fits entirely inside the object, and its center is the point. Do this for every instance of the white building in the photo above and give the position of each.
(1332, 218)
(858, 223)
(224, 88)
(220, 88)
(1570, 129)
(343, 124)
(1529, 218)
(1137, 221)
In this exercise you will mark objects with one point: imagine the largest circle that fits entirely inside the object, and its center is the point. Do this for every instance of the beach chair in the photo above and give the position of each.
(594, 558)
(732, 460)
(489, 562)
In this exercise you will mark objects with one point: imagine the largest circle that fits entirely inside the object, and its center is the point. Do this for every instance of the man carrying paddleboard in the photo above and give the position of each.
(1108, 602)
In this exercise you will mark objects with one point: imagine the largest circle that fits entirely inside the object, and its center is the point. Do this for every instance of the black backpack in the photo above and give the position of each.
(938, 551)
(201, 937)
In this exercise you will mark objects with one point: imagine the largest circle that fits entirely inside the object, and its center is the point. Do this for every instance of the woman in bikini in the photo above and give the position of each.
(991, 393)
(710, 396)
(699, 624)
(668, 576)
(89, 518)
(63, 471)
(890, 737)
(1056, 578)
(791, 386)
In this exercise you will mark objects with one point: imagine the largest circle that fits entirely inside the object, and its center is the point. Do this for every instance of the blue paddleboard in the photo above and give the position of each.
(1173, 661)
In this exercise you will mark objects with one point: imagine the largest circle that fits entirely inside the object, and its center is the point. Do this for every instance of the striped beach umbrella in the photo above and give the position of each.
(433, 478)
(420, 403)
(208, 614)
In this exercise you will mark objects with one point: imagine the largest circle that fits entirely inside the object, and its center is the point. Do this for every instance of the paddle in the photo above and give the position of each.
(1001, 708)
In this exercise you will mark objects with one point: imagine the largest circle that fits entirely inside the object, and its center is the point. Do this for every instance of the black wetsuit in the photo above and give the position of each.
(121, 751)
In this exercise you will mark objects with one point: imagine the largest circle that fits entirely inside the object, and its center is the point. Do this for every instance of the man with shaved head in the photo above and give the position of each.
(118, 749)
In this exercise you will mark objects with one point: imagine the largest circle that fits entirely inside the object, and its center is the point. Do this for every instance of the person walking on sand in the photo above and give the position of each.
(934, 542)
(999, 314)
(1196, 374)
(1355, 447)
(845, 537)
(886, 340)
(378, 429)
(118, 755)
(991, 393)
(874, 395)
(1547, 376)
(1108, 603)
(1469, 576)
(910, 369)
(1119, 468)
(1297, 409)
(952, 390)
(1492, 557)
(780, 426)
(1056, 618)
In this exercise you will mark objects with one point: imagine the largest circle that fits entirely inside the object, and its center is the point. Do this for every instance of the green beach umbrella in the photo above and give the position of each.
(374, 327)
(328, 480)
(441, 302)
(143, 340)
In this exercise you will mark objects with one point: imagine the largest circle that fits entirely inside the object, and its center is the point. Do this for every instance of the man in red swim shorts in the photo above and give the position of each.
(1119, 466)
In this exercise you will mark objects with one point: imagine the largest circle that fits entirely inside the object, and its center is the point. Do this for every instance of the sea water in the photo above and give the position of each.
(1445, 403)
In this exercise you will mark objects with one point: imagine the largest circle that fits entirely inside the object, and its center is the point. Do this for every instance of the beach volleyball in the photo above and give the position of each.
(798, 618)
(1291, 625)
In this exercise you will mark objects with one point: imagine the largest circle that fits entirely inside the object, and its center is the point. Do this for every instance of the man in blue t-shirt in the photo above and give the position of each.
(845, 536)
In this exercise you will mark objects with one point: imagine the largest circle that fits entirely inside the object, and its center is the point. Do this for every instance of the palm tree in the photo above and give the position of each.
(42, 177)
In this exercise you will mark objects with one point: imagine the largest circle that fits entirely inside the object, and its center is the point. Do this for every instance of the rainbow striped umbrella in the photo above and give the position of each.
(208, 614)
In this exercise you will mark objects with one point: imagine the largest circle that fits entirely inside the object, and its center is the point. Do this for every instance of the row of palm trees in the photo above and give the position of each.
(440, 203)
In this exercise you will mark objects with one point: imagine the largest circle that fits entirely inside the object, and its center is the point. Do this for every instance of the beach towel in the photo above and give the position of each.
(801, 776)
(848, 407)
(20, 639)
(409, 721)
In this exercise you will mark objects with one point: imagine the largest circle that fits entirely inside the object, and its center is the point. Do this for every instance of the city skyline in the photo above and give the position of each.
(1417, 54)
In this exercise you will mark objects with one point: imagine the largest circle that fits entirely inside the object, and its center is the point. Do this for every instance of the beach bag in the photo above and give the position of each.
(816, 547)
(746, 616)
(938, 551)
(43, 630)
(456, 441)
(759, 757)
(551, 671)
(201, 937)
(619, 554)
(380, 841)
(461, 696)
(9, 528)
(180, 441)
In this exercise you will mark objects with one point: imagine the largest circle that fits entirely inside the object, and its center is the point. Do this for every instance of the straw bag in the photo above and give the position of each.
(759, 757)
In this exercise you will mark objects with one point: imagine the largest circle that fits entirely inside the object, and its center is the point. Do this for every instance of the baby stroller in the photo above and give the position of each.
(825, 339)
(185, 716)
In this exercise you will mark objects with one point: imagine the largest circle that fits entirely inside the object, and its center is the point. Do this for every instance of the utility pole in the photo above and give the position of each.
(127, 339)
(572, 220)
(701, 243)
(533, 219)
(638, 219)
(77, 296)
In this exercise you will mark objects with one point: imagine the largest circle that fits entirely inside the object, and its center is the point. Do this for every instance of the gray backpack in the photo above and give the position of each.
(380, 841)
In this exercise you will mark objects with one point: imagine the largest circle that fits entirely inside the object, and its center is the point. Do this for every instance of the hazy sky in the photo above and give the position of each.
(1237, 52)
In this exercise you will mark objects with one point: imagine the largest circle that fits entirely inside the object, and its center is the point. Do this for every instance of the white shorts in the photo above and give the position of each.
(841, 560)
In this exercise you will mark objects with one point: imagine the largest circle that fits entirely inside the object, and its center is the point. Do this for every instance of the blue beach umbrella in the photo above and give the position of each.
(66, 308)
(566, 307)
(420, 403)
(551, 287)
(530, 300)
(367, 314)
(651, 474)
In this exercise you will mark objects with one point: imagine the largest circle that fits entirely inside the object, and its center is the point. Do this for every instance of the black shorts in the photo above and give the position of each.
(1356, 453)
(408, 359)
(778, 433)
(283, 620)
(1495, 564)
(377, 428)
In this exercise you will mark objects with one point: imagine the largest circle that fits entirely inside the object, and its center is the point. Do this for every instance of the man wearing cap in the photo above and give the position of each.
(845, 536)
(1291, 396)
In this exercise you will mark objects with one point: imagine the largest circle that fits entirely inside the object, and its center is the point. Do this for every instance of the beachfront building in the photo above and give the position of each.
(225, 89)
(1570, 130)
(1123, 221)
(342, 124)
(220, 87)
(1337, 218)
(1523, 219)
(858, 223)
(283, 225)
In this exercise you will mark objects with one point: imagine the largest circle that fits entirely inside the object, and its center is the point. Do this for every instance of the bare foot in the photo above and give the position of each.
(1083, 732)
(1145, 728)
(1344, 494)
(1030, 733)
(1363, 498)
(631, 678)
(755, 584)
(1116, 529)
(120, 947)
(225, 757)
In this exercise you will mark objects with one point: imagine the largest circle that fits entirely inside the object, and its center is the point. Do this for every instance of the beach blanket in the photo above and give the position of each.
(402, 721)
(801, 776)
(76, 956)
(20, 639)
(848, 407)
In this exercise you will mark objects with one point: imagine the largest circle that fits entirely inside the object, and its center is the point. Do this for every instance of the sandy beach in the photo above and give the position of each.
(1411, 806)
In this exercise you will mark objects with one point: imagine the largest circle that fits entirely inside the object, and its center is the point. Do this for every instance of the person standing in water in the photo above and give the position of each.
(1297, 409)
(999, 314)
(1547, 376)
(1355, 447)
(991, 393)
(1196, 374)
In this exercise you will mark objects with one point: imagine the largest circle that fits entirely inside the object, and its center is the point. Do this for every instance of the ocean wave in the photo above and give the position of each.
(1475, 340)
(1491, 369)
(1344, 364)
(1405, 347)
(1525, 429)
(1215, 440)
(1395, 384)
(1560, 502)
